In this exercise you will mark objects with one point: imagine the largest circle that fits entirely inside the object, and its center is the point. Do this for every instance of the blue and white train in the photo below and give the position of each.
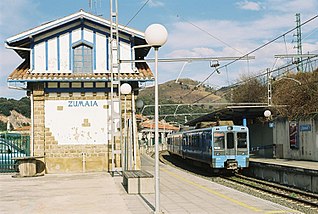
(222, 147)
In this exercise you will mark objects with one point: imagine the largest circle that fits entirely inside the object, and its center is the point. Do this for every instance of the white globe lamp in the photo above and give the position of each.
(139, 104)
(125, 89)
(156, 35)
(267, 113)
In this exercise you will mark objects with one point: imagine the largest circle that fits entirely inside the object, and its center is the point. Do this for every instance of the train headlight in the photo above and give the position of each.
(230, 128)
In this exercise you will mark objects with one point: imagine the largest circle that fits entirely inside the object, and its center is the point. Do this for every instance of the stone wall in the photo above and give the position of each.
(71, 158)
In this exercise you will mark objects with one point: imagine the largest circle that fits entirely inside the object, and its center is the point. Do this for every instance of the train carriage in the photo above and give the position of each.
(222, 147)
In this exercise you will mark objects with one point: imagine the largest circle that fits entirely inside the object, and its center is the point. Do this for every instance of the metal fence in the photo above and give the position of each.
(12, 145)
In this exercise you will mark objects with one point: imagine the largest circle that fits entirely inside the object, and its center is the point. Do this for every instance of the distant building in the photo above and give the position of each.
(66, 71)
(147, 132)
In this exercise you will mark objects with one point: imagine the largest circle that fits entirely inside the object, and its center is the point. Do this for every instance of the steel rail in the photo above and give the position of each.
(286, 192)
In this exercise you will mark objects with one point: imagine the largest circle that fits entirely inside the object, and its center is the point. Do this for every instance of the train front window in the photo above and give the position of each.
(230, 140)
(242, 140)
(218, 140)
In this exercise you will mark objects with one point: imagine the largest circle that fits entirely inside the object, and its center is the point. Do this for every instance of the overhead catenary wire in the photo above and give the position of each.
(264, 73)
(205, 31)
(260, 75)
(258, 48)
(136, 14)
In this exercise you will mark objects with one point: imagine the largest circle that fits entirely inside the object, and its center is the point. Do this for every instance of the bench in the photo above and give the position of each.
(138, 182)
(27, 166)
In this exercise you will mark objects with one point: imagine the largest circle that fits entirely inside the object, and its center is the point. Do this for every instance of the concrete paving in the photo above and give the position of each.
(180, 192)
(68, 193)
(312, 165)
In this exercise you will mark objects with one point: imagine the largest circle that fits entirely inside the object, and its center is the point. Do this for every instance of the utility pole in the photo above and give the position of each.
(299, 45)
(92, 4)
(115, 116)
(269, 87)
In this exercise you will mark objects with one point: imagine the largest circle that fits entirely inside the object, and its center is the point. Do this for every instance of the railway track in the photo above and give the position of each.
(289, 197)
(302, 198)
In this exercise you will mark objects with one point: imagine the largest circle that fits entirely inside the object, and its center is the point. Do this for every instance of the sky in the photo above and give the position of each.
(200, 28)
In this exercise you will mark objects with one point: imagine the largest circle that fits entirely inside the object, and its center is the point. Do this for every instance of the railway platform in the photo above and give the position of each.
(180, 192)
(294, 173)
(308, 165)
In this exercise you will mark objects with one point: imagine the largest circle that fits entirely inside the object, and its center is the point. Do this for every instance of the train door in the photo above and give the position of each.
(206, 146)
(230, 151)
(230, 145)
(242, 149)
(184, 145)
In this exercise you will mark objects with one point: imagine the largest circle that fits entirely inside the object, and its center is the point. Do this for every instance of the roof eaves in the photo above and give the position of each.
(57, 22)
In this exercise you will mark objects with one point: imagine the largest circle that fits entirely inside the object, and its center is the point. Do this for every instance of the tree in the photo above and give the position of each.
(299, 100)
(23, 106)
(251, 91)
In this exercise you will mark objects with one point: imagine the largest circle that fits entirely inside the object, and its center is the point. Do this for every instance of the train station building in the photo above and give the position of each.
(66, 73)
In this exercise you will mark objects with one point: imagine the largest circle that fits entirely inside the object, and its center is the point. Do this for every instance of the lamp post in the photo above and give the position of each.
(125, 89)
(156, 35)
(139, 105)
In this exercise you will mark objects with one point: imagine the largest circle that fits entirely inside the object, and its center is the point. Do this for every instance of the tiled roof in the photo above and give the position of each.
(23, 74)
(150, 124)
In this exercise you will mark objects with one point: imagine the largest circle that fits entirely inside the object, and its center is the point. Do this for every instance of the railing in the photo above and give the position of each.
(12, 145)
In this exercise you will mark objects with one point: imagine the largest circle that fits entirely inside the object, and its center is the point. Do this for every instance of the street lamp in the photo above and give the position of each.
(156, 35)
(139, 104)
(125, 89)
(268, 114)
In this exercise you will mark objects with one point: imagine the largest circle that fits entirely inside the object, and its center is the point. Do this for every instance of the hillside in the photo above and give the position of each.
(183, 92)
(16, 112)
(15, 119)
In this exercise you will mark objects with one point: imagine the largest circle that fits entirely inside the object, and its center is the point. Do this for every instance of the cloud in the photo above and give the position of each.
(195, 52)
(249, 5)
(225, 33)
(15, 17)
(237, 37)
(292, 6)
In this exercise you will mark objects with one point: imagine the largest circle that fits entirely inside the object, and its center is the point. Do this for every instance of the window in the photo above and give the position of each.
(241, 140)
(218, 139)
(83, 59)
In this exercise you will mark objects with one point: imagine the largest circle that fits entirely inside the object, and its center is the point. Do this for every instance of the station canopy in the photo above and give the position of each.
(231, 113)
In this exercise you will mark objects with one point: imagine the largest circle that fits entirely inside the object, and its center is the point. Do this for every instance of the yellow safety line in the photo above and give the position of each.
(277, 211)
(224, 196)
(212, 191)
